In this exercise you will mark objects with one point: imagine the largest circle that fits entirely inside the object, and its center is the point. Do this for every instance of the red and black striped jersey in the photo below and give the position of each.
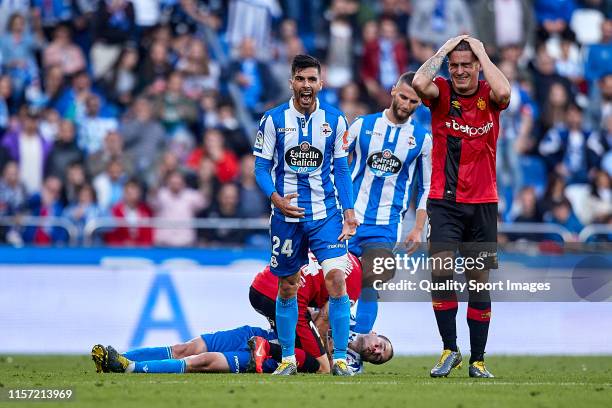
(465, 131)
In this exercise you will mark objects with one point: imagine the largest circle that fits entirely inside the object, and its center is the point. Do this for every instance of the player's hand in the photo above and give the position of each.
(477, 47)
(452, 43)
(412, 241)
(349, 228)
(285, 206)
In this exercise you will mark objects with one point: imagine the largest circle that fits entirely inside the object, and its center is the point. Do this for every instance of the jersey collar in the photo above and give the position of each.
(389, 123)
(300, 114)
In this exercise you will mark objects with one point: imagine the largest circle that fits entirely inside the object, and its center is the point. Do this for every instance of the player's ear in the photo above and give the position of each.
(290, 84)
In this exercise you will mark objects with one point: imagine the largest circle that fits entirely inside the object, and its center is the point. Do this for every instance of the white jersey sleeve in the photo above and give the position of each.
(424, 175)
(265, 140)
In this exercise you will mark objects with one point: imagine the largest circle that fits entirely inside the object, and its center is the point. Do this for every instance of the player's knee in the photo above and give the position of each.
(334, 281)
(288, 288)
(187, 349)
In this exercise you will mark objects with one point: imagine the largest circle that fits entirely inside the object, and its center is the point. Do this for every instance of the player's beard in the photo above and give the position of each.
(400, 114)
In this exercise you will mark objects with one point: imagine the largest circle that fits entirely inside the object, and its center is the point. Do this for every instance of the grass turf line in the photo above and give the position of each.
(521, 381)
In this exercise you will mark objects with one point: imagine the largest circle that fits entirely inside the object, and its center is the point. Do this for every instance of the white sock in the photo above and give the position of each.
(289, 359)
(131, 367)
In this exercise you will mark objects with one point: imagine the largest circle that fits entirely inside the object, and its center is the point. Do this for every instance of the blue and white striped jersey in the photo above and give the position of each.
(303, 150)
(386, 158)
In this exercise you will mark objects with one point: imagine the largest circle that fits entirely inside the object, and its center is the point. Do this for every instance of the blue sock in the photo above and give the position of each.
(340, 321)
(149, 353)
(161, 366)
(286, 321)
(367, 310)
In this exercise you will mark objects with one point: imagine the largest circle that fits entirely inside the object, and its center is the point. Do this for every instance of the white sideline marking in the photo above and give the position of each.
(432, 382)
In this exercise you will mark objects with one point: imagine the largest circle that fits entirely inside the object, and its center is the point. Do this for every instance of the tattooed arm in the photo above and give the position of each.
(423, 79)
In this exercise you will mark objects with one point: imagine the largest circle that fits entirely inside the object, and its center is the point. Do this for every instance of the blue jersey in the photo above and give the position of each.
(386, 158)
(303, 150)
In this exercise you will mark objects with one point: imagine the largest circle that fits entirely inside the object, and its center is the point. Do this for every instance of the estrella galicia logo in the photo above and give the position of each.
(384, 164)
(304, 158)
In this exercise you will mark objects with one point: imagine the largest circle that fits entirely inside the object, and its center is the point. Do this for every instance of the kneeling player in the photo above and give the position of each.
(312, 292)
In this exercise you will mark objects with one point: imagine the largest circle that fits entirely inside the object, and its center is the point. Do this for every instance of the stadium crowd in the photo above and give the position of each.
(121, 108)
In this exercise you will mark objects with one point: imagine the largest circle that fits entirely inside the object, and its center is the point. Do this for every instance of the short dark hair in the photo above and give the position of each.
(462, 46)
(406, 78)
(302, 61)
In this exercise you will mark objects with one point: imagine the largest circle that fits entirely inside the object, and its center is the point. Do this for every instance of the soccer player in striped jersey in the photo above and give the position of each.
(390, 150)
(299, 146)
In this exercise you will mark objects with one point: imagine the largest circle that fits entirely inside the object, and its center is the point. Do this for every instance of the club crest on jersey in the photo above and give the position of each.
(411, 142)
(384, 164)
(481, 104)
(326, 129)
(259, 140)
(304, 158)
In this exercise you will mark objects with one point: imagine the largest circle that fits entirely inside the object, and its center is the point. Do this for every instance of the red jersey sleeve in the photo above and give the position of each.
(443, 98)
(486, 94)
(353, 279)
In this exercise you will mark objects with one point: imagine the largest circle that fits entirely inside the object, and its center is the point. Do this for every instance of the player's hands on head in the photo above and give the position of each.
(477, 46)
(349, 228)
(285, 206)
(452, 43)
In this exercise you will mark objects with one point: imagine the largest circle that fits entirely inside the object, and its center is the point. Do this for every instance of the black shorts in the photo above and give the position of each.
(307, 336)
(469, 228)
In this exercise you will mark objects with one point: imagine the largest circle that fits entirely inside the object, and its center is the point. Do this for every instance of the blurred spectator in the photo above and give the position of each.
(544, 75)
(131, 209)
(563, 215)
(53, 85)
(555, 192)
(434, 22)
(568, 60)
(598, 61)
(147, 13)
(27, 147)
(259, 91)
(17, 48)
(143, 137)
(253, 202)
(556, 107)
(5, 102)
(71, 104)
(564, 147)
(600, 106)
(553, 16)
(502, 23)
(63, 52)
(49, 13)
(8, 8)
(174, 109)
(515, 138)
(201, 73)
(176, 202)
(46, 204)
(233, 135)
(251, 19)
(75, 180)
(112, 151)
(64, 151)
(156, 66)
(113, 24)
(12, 195)
(207, 183)
(598, 204)
(341, 44)
(49, 124)
(109, 185)
(350, 102)
(93, 127)
(213, 148)
(384, 60)
(226, 206)
(600, 143)
(527, 209)
(84, 210)
(121, 80)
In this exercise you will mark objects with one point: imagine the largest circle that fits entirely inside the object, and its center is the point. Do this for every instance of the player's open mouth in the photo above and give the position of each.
(306, 97)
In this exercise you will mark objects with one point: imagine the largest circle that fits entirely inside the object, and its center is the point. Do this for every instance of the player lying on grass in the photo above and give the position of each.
(312, 292)
(244, 349)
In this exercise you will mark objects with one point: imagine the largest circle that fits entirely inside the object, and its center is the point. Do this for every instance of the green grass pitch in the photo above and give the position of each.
(404, 382)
